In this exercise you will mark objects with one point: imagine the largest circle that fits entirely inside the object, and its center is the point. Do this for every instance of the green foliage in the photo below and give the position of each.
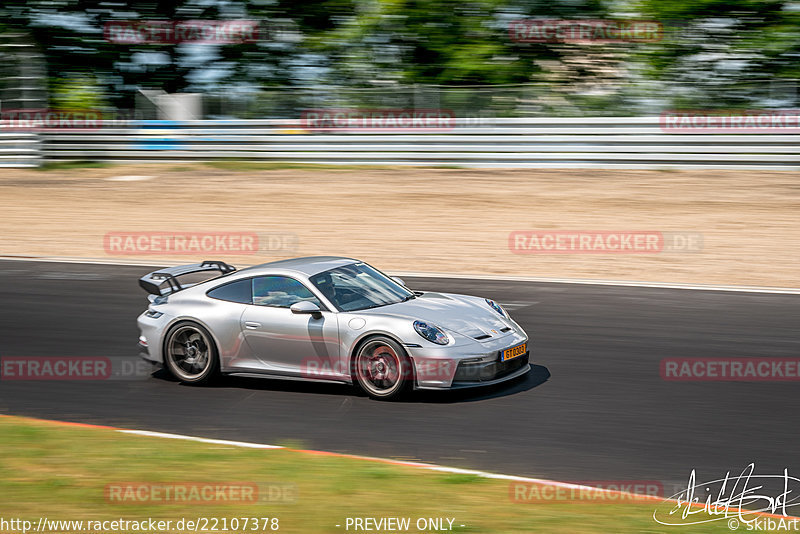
(724, 53)
(714, 53)
(445, 42)
(76, 93)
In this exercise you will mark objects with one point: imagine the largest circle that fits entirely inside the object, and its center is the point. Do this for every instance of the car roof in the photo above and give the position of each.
(309, 265)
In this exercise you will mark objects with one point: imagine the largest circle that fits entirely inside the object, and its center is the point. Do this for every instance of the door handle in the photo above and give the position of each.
(251, 325)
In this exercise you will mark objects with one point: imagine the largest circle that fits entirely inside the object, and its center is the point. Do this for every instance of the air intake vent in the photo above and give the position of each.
(506, 329)
(483, 336)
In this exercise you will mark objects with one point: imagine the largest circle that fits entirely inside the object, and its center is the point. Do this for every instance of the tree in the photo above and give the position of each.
(446, 42)
(724, 53)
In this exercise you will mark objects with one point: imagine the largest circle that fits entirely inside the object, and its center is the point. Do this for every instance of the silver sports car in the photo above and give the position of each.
(327, 319)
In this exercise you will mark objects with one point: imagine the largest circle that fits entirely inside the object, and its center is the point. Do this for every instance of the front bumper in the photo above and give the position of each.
(511, 376)
(470, 365)
(492, 372)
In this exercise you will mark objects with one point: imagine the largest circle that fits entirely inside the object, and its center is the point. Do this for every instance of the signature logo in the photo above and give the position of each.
(741, 500)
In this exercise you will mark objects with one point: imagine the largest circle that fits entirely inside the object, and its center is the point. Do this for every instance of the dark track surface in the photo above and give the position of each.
(604, 413)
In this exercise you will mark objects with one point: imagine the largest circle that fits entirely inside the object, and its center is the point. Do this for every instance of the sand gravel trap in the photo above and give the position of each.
(433, 220)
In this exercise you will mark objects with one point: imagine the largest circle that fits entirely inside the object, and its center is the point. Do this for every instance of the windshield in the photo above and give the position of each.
(358, 287)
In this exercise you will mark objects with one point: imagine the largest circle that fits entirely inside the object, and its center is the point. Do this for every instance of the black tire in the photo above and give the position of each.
(190, 354)
(382, 368)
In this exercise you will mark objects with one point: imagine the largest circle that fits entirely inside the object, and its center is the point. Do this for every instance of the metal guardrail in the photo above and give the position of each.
(20, 149)
(606, 142)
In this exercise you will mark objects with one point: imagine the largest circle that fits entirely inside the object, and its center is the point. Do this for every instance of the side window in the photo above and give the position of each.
(280, 292)
(239, 291)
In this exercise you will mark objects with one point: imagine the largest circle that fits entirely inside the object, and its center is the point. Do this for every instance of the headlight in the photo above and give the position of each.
(434, 334)
(496, 307)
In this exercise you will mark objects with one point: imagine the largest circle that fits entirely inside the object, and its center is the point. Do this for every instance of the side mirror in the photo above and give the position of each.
(399, 281)
(306, 307)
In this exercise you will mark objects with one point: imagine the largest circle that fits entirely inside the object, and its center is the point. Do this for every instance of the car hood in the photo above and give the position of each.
(468, 316)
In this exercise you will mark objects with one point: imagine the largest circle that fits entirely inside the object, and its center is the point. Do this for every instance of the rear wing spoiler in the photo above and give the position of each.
(153, 282)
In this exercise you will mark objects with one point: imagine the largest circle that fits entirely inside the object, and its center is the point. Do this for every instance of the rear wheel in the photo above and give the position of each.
(190, 353)
(382, 368)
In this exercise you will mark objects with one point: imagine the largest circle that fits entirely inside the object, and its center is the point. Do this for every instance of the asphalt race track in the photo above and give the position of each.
(594, 406)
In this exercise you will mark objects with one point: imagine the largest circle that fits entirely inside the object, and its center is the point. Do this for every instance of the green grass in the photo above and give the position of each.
(245, 165)
(242, 165)
(234, 165)
(61, 471)
(181, 168)
(68, 165)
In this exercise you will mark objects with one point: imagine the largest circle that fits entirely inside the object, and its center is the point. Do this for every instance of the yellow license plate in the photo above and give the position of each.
(513, 352)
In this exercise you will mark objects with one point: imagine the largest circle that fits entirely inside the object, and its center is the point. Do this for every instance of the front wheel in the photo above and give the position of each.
(382, 368)
(190, 354)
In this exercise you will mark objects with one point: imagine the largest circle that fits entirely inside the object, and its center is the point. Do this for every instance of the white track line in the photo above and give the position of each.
(445, 469)
(461, 276)
(201, 440)
(601, 282)
(429, 467)
(418, 465)
(89, 261)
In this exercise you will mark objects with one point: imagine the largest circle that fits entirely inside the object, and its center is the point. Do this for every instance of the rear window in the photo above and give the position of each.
(239, 291)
